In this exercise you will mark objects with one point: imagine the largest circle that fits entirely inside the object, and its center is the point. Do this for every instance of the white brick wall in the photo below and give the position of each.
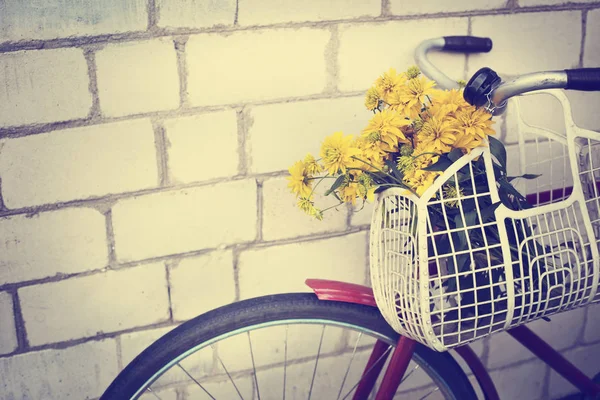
(195, 14)
(78, 372)
(142, 300)
(31, 19)
(43, 86)
(190, 158)
(193, 288)
(138, 77)
(260, 12)
(142, 151)
(103, 159)
(57, 242)
(8, 334)
(232, 69)
(279, 133)
(185, 220)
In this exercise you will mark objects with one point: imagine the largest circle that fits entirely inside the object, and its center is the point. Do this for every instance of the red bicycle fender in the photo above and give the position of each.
(329, 290)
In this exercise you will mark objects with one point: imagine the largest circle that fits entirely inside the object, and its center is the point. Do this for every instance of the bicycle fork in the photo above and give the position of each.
(396, 369)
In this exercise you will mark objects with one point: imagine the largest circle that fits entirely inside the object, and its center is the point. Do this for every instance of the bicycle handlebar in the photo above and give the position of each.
(485, 88)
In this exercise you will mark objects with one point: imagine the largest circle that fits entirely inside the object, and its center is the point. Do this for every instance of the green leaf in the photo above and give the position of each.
(524, 176)
(470, 219)
(395, 172)
(338, 182)
(455, 154)
(498, 151)
(441, 165)
(488, 212)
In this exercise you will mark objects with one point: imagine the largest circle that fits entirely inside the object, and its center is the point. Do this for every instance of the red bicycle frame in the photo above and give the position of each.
(403, 352)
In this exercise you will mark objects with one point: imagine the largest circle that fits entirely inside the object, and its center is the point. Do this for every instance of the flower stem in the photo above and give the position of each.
(378, 170)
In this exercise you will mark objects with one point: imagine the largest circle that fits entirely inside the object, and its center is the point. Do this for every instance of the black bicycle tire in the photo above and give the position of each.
(266, 309)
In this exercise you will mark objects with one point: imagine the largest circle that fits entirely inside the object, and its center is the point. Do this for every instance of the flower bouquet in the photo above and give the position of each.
(445, 270)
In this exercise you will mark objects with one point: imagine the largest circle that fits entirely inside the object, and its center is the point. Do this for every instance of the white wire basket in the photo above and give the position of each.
(492, 267)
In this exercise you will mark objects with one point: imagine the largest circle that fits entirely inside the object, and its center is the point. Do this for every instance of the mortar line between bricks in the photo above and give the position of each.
(152, 15)
(243, 120)
(236, 274)
(104, 336)
(180, 43)
(169, 297)
(21, 332)
(90, 57)
(236, 15)
(259, 210)
(159, 32)
(162, 156)
(110, 239)
(189, 254)
(584, 14)
(101, 201)
(385, 8)
(26, 130)
(2, 205)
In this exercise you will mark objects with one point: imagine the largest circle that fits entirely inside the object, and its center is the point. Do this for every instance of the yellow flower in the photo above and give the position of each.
(337, 151)
(420, 181)
(308, 206)
(438, 133)
(405, 163)
(413, 72)
(385, 126)
(390, 82)
(311, 165)
(366, 190)
(452, 195)
(349, 192)
(373, 97)
(299, 182)
(474, 122)
(450, 101)
(371, 152)
(417, 89)
(467, 142)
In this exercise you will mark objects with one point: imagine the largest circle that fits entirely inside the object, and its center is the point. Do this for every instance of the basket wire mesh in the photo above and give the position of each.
(488, 266)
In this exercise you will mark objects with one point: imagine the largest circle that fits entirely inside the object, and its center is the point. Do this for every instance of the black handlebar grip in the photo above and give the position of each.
(467, 44)
(587, 79)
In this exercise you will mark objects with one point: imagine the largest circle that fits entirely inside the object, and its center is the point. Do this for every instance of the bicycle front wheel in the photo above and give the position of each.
(288, 346)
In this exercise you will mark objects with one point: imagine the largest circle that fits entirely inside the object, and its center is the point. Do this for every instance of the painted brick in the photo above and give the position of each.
(280, 134)
(592, 327)
(137, 77)
(283, 219)
(57, 242)
(260, 12)
(585, 359)
(295, 67)
(193, 284)
(191, 157)
(368, 50)
(30, 19)
(79, 372)
(362, 215)
(518, 37)
(100, 161)
(195, 13)
(525, 381)
(8, 335)
(43, 86)
(413, 7)
(591, 52)
(86, 306)
(185, 220)
(282, 269)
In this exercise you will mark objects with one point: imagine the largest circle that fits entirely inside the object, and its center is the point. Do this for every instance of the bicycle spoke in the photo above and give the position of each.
(368, 370)
(253, 366)
(154, 394)
(430, 393)
(230, 378)
(197, 383)
(285, 359)
(316, 363)
(349, 365)
(410, 373)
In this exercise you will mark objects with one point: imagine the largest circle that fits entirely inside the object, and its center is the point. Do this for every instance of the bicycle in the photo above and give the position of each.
(346, 322)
